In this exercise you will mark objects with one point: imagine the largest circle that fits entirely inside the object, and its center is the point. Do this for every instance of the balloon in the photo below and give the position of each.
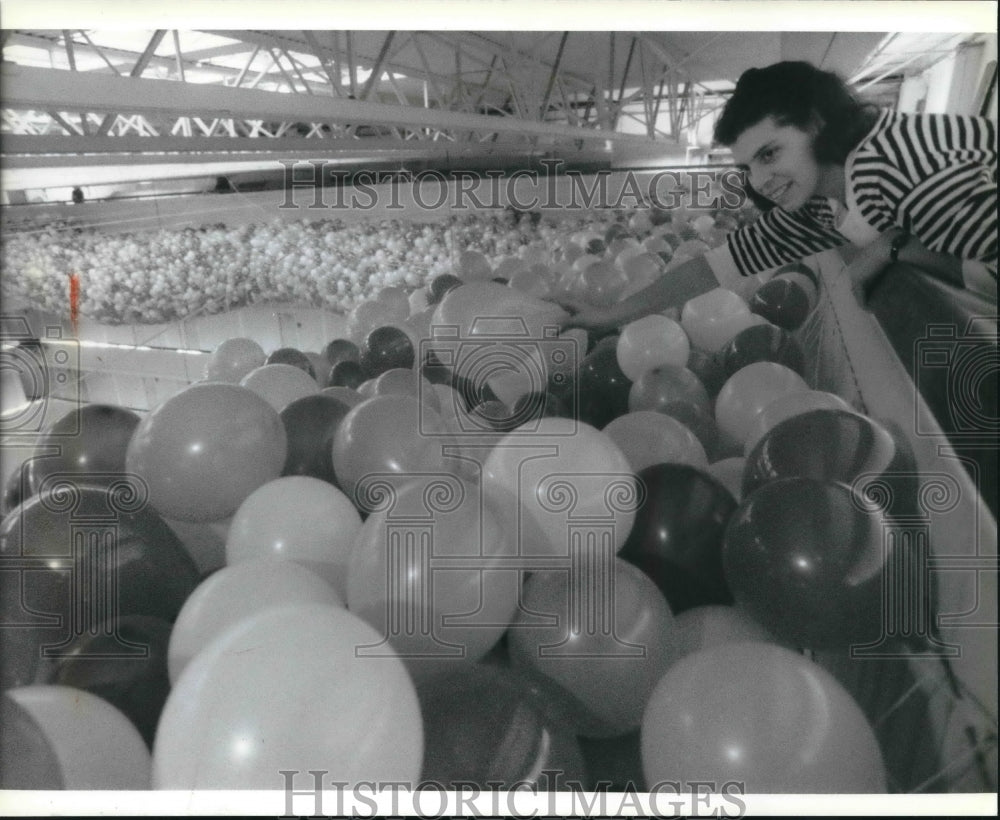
(345, 395)
(602, 283)
(66, 594)
(602, 387)
(704, 627)
(436, 621)
(473, 266)
(386, 348)
(125, 663)
(418, 301)
(341, 350)
(289, 689)
(615, 231)
(678, 534)
(805, 277)
(204, 450)
(542, 476)
(496, 311)
(233, 359)
(489, 726)
(762, 343)
(789, 405)
(440, 285)
(646, 437)
(729, 473)
(80, 742)
(607, 644)
(395, 298)
(391, 435)
(712, 319)
(749, 391)
(296, 518)
(529, 282)
(782, 302)
(310, 425)
(347, 374)
(280, 384)
(650, 342)
(805, 558)
(235, 593)
(846, 447)
(508, 266)
(17, 488)
(88, 443)
(762, 716)
(320, 367)
(292, 356)
(369, 315)
(696, 419)
(400, 382)
(665, 386)
(708, 369)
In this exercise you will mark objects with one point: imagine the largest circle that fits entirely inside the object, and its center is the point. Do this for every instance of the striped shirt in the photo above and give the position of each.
(931, 174)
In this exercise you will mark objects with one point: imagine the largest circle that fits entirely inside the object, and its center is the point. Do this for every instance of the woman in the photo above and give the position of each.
(828, 170)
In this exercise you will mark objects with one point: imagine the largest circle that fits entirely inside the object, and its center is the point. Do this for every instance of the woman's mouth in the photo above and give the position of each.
(777, 194)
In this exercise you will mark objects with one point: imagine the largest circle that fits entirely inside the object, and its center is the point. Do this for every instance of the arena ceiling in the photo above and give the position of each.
(128, 105)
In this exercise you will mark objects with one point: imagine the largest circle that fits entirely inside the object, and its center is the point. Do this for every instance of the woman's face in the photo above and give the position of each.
(781, 165)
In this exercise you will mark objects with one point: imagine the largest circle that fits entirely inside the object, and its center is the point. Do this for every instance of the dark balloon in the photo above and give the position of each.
(782, 302)
(666, 385)
(707, 367)
(500, 280)
(125, 663)
(533, 406)
(837, 445)
(311, 424)
(18, 488)
(347, 373)
(678, 534)
(434, 371)
(84, 550)
(340, 350)
(596, 247)
(386, 348)
(616, 231)
(603, 389)
(440, 285)
(89, 442)
(495, 415)
(614, 763)
(596, 342)
(289, 355)
(762, 343)
(489, 726)
(698, 421)
(805, 558)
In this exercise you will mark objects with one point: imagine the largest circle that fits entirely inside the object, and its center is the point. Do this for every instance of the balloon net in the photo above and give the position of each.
(933, 706)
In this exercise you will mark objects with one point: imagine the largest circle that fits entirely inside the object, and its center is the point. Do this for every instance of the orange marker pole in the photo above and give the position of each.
(74, 302)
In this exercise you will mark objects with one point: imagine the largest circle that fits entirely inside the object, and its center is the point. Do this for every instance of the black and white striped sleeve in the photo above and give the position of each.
(939, 173)
(779, 237)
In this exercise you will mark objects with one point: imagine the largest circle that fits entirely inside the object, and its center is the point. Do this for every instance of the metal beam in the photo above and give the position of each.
(47, 89)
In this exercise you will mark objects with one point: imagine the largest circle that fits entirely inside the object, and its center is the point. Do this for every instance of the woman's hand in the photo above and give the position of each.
(584, 315)
(869, 264)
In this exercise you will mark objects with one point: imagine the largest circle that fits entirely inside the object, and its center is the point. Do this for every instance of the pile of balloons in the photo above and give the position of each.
(463, 545)
(145, 277)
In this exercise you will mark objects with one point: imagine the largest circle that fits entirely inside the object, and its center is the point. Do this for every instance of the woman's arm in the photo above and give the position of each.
(672, 289)
(872, 260)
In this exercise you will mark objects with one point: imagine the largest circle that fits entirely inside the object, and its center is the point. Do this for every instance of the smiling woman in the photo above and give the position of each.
(828, 170)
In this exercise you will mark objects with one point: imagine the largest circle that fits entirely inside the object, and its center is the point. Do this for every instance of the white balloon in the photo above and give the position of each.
(235, 593)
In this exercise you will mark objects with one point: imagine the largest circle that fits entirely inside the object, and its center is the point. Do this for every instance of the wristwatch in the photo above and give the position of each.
(897, 245)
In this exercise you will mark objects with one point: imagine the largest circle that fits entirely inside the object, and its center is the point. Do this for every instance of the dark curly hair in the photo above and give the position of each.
(798, 94)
